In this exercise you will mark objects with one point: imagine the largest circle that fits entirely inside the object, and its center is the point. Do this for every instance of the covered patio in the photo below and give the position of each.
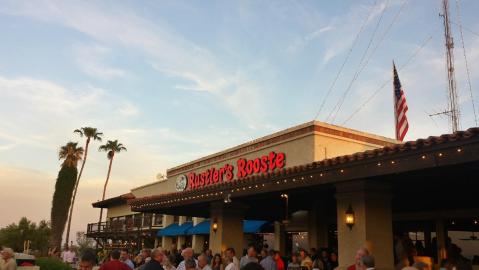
(422, 185)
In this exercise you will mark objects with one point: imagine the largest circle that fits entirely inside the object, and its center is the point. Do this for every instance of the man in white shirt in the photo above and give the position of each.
(249, 257)
(203, 262)
(230, 253)
(68, 255)
(187, 253)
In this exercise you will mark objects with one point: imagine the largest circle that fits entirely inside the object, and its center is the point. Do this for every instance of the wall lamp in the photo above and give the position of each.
(350, 219)
(227, 198)
(286, 214)
(215, 225)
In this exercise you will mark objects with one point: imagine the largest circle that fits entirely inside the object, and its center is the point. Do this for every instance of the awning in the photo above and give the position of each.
(249, 226)
(200, 228)
(175, 229)
(253, 226)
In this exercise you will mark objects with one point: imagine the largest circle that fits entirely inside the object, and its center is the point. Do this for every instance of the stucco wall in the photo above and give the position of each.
(120, 210)
(300, 149)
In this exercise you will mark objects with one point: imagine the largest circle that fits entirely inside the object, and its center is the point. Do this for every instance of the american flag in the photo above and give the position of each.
(400, 108)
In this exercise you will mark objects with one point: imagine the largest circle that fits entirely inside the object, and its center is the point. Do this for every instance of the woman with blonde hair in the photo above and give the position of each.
(167, 265)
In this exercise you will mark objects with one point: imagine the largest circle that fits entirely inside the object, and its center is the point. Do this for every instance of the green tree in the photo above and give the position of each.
(64, 186)
(84, 243)
(111, 147)
(89, 133)
(14, 235)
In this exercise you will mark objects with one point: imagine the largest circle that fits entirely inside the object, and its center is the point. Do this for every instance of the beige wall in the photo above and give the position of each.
(120, 210)
(298, 151)
(301, 149)
(154, 188)
(371, 203)
(329, 146)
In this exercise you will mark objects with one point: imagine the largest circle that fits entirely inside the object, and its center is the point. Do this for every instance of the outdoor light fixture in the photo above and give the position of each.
(286, 199)
(227, 198)
(215, 225)
(350, 220)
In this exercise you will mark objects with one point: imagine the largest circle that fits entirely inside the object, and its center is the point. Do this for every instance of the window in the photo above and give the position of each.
(147, 220)
(138, 220)
(158, 221)
(129, 222)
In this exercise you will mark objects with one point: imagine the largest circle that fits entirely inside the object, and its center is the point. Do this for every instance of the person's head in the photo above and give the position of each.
(366, 262)
(124, 254)
(187, 253)
(420, 266)
(313, 251)
(264, 253)
(157, 254)
(216, 259)
(208, 252)
(190, 264)
(251, 251)
(145, 253)
(294, 258)
(333, 257)
(230, 253)
(271, 252)
(7, 253)
(202, 261)
(87, 261)
(302, 253)
(324, 254)
(277, 255)
(252, 266)
(445, 264)
(115, 254)
(361, 252)
(167, 262)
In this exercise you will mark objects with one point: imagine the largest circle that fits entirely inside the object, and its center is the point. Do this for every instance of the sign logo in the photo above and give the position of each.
(244, 168)
(181, 183)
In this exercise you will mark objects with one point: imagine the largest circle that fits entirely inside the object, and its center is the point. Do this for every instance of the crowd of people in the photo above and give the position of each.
(265, 259)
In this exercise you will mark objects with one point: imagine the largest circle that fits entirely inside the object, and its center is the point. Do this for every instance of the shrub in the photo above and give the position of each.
(52, 264)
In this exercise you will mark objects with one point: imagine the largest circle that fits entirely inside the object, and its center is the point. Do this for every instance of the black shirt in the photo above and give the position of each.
(153, 265)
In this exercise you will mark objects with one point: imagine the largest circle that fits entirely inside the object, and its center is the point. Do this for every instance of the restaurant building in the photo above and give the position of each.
(312, 185)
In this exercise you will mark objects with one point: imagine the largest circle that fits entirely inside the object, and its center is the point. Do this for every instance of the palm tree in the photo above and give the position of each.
(111, 147)
(89, 133)
(62, 196)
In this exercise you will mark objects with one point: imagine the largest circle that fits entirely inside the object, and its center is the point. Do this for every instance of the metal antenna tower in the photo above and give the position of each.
(453, 108)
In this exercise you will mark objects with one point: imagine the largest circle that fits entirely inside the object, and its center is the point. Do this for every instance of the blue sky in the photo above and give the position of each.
(176, 80)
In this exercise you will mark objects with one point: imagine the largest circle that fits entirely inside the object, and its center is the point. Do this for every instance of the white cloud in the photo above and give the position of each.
(90, 59)
(128, 109)
(301, 42)
(170, 52)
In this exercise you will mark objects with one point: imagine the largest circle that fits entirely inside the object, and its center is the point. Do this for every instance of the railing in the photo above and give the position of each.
(128, 223)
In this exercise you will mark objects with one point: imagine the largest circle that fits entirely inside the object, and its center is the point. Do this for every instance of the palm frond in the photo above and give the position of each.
(71, 154)
(80, 132)
(112, 147)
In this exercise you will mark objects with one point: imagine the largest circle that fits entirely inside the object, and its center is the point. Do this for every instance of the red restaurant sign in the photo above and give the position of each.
(244, 168)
